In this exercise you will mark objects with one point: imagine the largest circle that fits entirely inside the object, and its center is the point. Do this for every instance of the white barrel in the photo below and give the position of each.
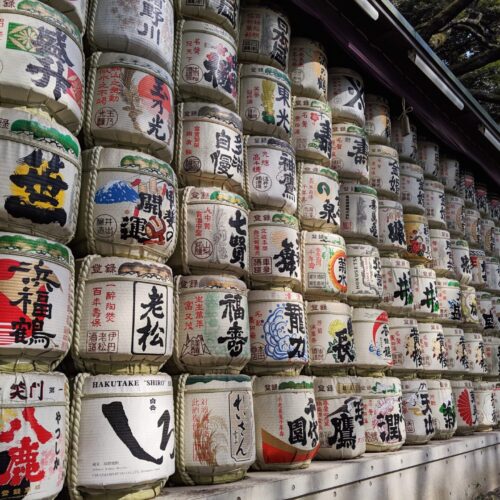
(36, 302)
(496, 394)
(340, 418)
(138, 29)
(495, 302)
(264, 36)
(486, 228)
(383, 412)
(485, 404)
(491, 356)
(124, 315)
(286, 422)
(42, 61)
(35, 434)
(378, 119)
(213, 232)
(358, 212)
(128, 205)
(442, 261)
(405, 346)
(472, 221)
(319, 206)
(443, 407)
(478, 267)
(331, 341)
(130, 104)
(215, 428)
(492, 268)
(466, 410)
(364, 277)
(212, 325)
(391, 237)
(350, 152)
(346, 95)
(371, 339)
(450, 300)
(495, 237)
(397, 294)
(461, 260)
(449, 174)
(425, 300)
(487, 316)
(278, 332)
(474, 347)
(308, 68)
(324, 266)
(404, 141)
(468, 189)
(41, 174)
(468, 301)
(412, 188)
(494, 207)
(435, 210)
(455, 215)
(312, 130)
(434, 353)
(206, 63)
(265, 101)
(75, 10)
(384, 170)
(272, 174)
(456, 353)
(123, 437)
(418, 243)
(482, 199)
(428, 157)
(275, 253)
(417, 412)
(209, 146)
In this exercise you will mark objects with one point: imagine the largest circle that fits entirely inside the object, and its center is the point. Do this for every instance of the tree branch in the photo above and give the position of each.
(475, 28)
(476, 62)
(485, 96)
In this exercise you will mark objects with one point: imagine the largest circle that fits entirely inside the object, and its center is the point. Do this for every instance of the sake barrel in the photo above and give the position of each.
(455, 215)
(215, 428)
(350, 152)
(75, 10)
(286, 422)
(312, 130)
(36, 291)
(461, 260)
(264, 36)
(496, 394)
(472, 226)
(449, 174)
(35, 437)
(418, 244)
(384, 170)
(478, 267)
(134, 27)
(468, 301)
(214, 232)
(405, 141)
(486, 228)
(482, 199)
(209, 147)
(331, 341)
(494, 207)
(272, 174)
(425, 300)
(383, 412)
(340, 418)
(435, 210)
(42, 61)
(405, 346)
(275, 254)
(319, 206)
(428, 157)
(40, 178)
(474, 347)
(135, 454)
(206, 63)
(491, 356)
(468, 189)
(417, 412)
(492, 268)
(358, 212)
(495, 236)
(128, 205)
(224, 14)
(391, 237)
(372, 340)
(377, 119)
(495, 302)
(346, 96)
(324, 267)
(442, 261)
(412, 188)
(278, 334)
(485, 404)
(443, 407)
(124, 315)
(475, 420)
(212, 327)
(397, 294)
(487, 318)
(265, 103)
(456, 353)
(364, 277)
(434, 354)
(449, 297)
(462, 390)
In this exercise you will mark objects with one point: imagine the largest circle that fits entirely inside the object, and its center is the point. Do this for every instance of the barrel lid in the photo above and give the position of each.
(433, 185)
(262, 71)
(430, 328)
(312, 104)
(382, 150)
(56, 390)
(437, 384)
(461, 384)
(410, 168)
(446, 159)
(449, 331)
(213, 383)
(483, 295)
(446, 282)
(267, 142)
(192, 110)
(315, 237)
(261, 217)
(487, 222)
(459, 244)
(311, 168)
(423, 272)
(352, 187)
(439, 233)
(302, 40)
(274, 296)
(472, 212)
(344, 72)
(484, 386)
(187, 284)
(369, 314)
(376, 99)
(359, 250)
(414, 385)
(348, 128)
(394, 262)
(276, 384)
(396, 205)
(210, 29)
(451, 198)
(336, 387)
(328, 307)
(415, 218)
(382, 387)
(213, 194)
(402, 322)
(470, 337)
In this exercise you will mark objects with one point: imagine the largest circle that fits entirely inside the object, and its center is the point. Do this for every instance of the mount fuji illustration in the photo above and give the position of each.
(116, 192)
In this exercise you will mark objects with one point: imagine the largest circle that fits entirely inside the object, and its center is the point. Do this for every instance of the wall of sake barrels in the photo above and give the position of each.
(249, 262)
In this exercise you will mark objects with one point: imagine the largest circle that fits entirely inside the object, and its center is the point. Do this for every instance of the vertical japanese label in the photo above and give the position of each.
(241, 425)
